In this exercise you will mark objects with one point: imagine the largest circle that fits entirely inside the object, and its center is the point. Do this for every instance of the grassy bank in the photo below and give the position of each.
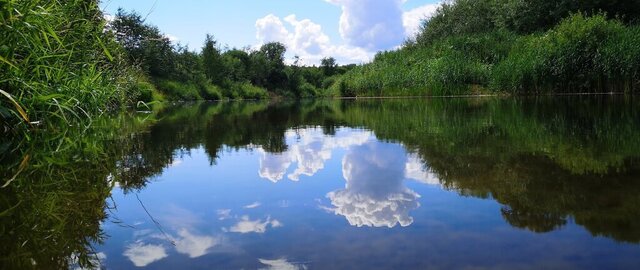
(56, 62)
(582, 53)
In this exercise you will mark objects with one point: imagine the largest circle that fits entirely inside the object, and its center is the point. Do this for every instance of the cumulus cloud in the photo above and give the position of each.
(306, 39)
(375, 195)
(371, 24)
(416, 170)
(280, 264)
(193, 245)
(271, 28)
(309, 149)
(246, 225)
(365, 26)
(142, 255)
(274, 166)
(412, 19)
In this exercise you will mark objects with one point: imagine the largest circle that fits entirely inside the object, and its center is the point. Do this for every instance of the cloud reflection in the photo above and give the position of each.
(310, 149)
(416, 170)
(193, 245)
(375, 195)
(245, 225)
(280, 264)
(142, 255)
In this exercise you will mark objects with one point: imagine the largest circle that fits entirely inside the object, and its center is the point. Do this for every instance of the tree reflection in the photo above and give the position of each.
(548, 161)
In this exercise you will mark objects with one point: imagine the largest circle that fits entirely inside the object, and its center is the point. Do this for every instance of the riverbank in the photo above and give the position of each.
(581, 54)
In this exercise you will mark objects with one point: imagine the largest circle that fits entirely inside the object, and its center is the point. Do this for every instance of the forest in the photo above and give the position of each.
(66, 62)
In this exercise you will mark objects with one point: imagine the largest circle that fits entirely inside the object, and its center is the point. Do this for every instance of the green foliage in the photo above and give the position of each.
(213, 64)
(460, 17)
(456, 18)
(176, 90)
(543, 159)
(328, 66)
(582, 54)
(57, 62)
(454, 65)
(145, 45)
(148, 91)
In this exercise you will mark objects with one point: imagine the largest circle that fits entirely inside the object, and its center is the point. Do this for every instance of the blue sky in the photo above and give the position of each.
(350, 30)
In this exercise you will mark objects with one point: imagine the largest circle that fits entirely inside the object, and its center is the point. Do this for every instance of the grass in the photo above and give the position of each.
(56, 62)
(581, 54)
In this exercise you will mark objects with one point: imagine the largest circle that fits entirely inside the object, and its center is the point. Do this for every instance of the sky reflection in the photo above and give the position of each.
(310, 149)
(234, 219)
(374, 195)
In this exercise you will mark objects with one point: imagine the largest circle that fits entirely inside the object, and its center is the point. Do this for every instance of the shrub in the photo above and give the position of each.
(570, 57)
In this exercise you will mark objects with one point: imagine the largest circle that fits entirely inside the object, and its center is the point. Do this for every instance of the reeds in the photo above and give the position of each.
(581, 54)
(56, 61)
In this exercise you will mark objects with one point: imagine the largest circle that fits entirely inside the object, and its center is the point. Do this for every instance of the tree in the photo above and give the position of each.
(237, 65)
(329, 66)
(268, 68)
(212, 61)
(145, 44)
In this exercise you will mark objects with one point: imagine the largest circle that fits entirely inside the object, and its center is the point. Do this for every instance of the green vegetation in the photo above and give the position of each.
(56, 62)
(503, 46)
(213, 73)
(62, 62)
(547, 160)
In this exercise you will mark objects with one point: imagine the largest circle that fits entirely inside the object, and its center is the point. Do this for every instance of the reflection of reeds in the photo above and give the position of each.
(19, 109)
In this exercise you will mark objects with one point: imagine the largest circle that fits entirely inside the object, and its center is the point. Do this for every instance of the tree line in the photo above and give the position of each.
(176, 72)
(63, 61)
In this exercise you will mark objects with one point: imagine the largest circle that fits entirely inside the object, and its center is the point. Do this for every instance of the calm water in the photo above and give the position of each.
(530, 183)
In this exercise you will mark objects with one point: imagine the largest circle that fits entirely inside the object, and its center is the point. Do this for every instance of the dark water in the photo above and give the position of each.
(529, 183)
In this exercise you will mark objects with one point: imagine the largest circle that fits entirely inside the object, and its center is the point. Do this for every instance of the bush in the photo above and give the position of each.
(210, 92)
(174, 90)
(571, 57)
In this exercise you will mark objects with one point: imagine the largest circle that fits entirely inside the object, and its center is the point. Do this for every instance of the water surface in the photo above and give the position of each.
(528, 183)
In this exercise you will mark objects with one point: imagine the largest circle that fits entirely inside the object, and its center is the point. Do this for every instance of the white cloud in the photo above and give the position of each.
(245, 225)
(412, 19)
(271, 28)
(193, 245)
(223, 214)
(273, 166)
(310, 149)
(253, 205)
(371, 24)
(305, 39)
(416, 170)
(375, 195)
(276, 224)
(172, 38)
(175, 163)
(142, 255)
(280, 264)
(365, 26)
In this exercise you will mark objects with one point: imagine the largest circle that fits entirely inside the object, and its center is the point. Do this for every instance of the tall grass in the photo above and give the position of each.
(581, 54)
(454, 65)
(56, 61)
